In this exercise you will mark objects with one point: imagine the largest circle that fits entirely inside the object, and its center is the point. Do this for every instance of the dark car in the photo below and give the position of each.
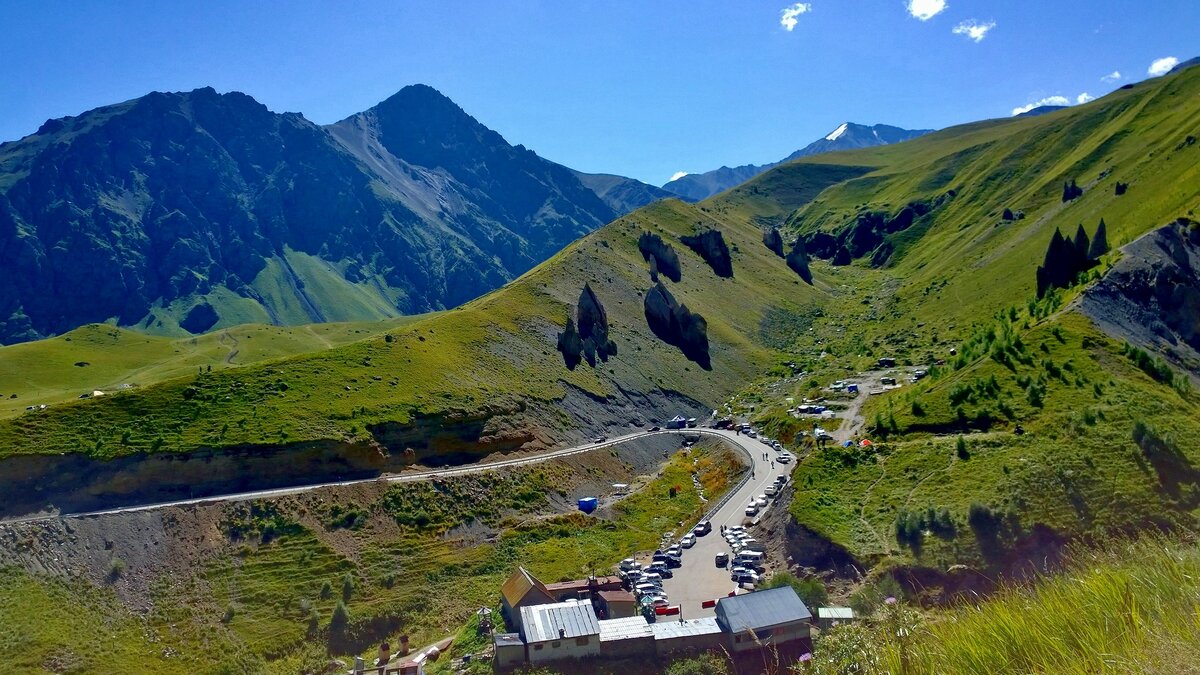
(655, 428)
(662, 569)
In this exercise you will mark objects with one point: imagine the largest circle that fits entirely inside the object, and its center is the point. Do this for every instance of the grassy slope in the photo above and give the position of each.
(44, 372)
(495, 349)
(423, 576)
(968, 267)
(1125, 608)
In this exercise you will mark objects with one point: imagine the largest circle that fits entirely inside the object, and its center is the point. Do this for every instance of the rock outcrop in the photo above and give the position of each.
(710, 245)
(774, 241)
(590, 340)
(1151, 296)
(676, 325)
(661, 255)
(797, 261)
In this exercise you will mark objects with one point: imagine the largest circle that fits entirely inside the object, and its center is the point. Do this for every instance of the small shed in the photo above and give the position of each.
(828, 617)
(687, 636)
(626, 637)
(510, 651)
(616, 604)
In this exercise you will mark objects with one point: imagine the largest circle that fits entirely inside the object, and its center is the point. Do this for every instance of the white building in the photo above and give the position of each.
(563, 630)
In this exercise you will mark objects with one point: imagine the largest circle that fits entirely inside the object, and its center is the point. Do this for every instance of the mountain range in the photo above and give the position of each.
(697, 186)
(182, 212)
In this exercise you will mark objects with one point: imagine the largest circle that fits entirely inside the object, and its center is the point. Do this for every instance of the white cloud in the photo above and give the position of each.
(1049, 100)
(1084, 98)
(677, 175)
(787, 16)
(1162, 66)
(1111, 77)
(974, 30)
(926, 9)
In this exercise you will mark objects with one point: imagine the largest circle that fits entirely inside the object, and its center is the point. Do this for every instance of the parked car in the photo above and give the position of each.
(600, 439)
(761, 500)
(771, 490)
(702, 528)
(722, 559)
(629, 564)
(746, 577)
(752, 510)
(662, 571)
(655, 428)
(783, 459)
(675, 551)
(659, 601)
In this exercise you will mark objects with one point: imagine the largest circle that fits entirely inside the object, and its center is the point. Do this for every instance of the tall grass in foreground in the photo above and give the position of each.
(1128, 607)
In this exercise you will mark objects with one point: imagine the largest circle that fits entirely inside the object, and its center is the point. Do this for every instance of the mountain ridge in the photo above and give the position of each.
(846, 136)
(181, 212)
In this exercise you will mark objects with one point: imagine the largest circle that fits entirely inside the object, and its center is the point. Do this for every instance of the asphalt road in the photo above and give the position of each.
(406, 477)
(700, 579)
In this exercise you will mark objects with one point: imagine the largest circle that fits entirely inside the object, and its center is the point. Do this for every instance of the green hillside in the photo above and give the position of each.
(953, 274)
(111, 359)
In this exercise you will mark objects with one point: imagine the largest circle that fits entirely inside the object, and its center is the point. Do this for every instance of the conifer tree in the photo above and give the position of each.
(1082, 246)
(1099, 242)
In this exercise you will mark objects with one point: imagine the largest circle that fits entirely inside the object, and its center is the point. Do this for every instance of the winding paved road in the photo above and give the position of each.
(699, 579)
(406, 477)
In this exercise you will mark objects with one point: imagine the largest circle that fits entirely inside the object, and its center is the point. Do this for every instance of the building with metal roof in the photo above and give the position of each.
(828, 617)
(626, 637)
(689, 635)
(522, 589)
(772, 617)
(562, 630)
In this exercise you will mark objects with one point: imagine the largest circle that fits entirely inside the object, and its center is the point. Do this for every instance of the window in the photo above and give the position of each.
(581, 641)
(538, 648)
(556, 644)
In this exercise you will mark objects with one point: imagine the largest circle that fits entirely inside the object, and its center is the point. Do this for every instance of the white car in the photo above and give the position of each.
(783, 459)
(771, 490)
(688, 541)
(761, 500)
(674, 551)
(752, 510)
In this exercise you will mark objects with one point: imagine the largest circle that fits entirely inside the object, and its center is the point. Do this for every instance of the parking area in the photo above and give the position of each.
(683, 577)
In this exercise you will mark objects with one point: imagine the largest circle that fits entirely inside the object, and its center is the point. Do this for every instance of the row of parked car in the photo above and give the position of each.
(748, 559)
(646, 582)
(760, 502)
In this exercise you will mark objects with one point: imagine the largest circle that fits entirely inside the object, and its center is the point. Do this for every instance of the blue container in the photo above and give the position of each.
(588, 504)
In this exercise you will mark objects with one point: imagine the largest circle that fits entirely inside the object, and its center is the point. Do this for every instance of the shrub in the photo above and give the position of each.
(811, 589)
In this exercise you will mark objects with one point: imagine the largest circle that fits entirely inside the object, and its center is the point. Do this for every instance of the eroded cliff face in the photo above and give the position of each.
(1151, 296)
(73, 483)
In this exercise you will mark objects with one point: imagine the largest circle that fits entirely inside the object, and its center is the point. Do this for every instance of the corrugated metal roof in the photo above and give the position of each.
(540, 623)
(624, 628)
(835, 613)
(508, 639)
(762, 609)
(520, 584)
(666, 630)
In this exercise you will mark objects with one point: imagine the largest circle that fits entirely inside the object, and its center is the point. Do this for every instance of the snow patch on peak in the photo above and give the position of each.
(837, 133)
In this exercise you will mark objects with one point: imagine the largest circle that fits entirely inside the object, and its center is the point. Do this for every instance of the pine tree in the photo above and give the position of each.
(1080, 258)
(340, 618)
(1099, 242)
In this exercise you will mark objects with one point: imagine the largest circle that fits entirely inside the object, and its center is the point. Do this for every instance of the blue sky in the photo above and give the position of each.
(643, 89)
